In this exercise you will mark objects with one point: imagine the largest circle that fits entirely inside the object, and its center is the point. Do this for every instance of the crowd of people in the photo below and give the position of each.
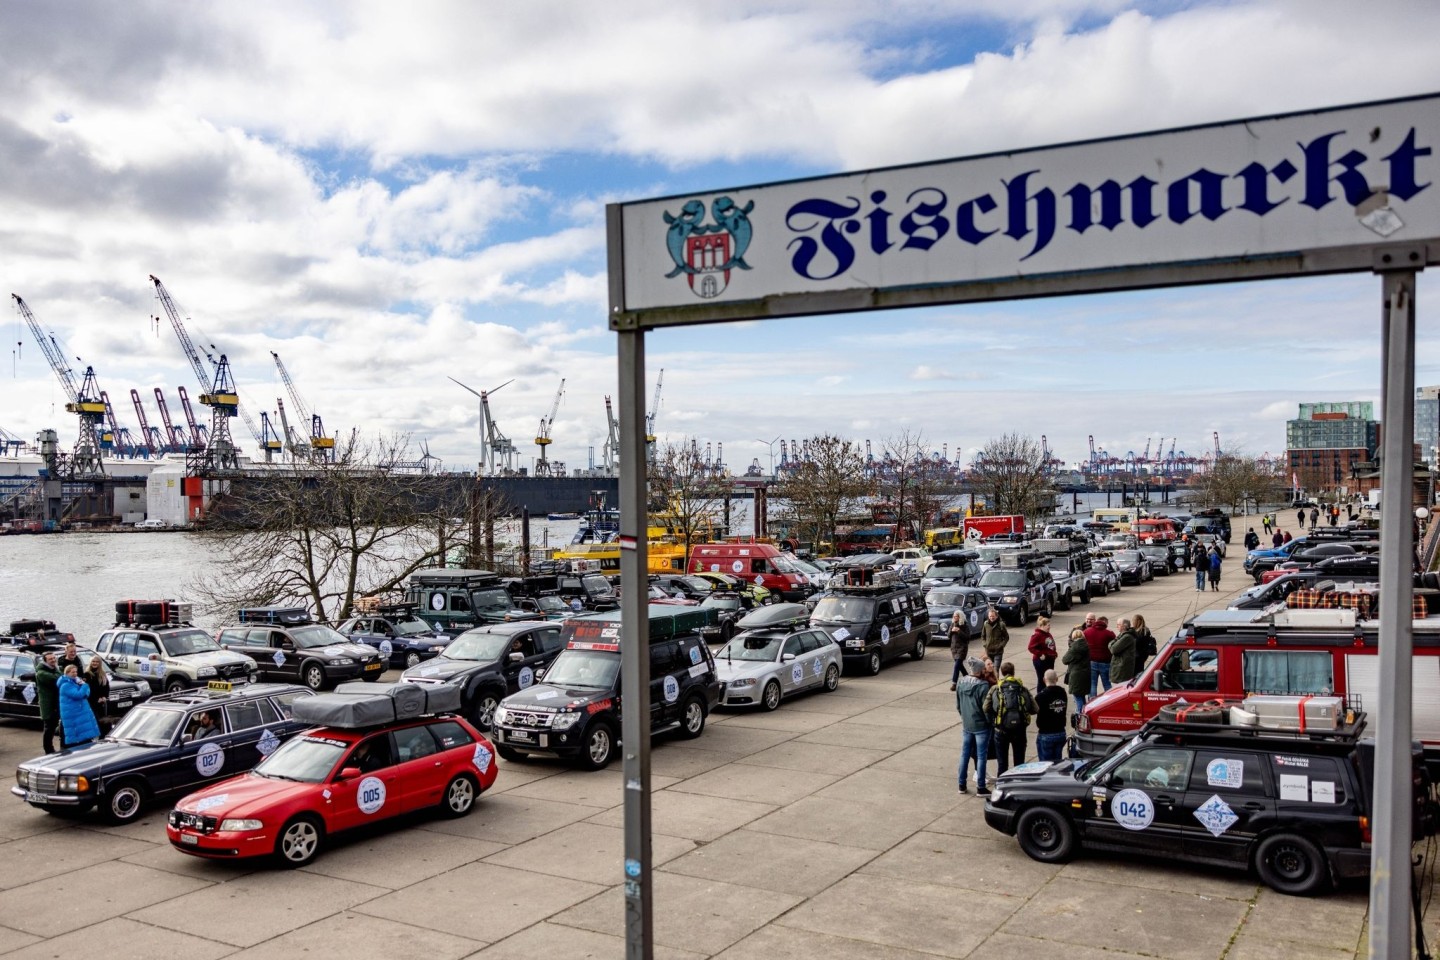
(996, 707)
(71, 694)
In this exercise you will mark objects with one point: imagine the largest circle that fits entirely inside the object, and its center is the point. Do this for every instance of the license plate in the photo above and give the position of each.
(522, 735)
(190, 839)
(35, 798)
(374, 666)
(121, 704)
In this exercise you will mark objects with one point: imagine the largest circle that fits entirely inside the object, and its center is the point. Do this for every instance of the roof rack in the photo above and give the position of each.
(867, 578)
(1350, 730)
(275, 616)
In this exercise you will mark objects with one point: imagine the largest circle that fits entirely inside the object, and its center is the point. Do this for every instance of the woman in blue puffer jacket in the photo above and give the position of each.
(77, 720)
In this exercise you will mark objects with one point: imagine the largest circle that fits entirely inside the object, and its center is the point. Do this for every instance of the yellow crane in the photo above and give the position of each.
(543, 466)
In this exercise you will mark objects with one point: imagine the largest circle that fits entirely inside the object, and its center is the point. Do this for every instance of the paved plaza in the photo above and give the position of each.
(830, 828)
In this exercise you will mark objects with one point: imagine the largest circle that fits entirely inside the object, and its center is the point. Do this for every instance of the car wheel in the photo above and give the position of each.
(125, 802)
(313, 675)
(412, 659)
(1049, 608)
(174, 684)
(1024, 615)
(1085, 595)
(692, 718)
(832, 677)
(1045, 835)
(483, 715)
(299, 841)
(599, 747)
(1066, 602)
(459, 797)
(514, 756)
(919, 652)
(872, 666)
(1290, 864)
(770, 699)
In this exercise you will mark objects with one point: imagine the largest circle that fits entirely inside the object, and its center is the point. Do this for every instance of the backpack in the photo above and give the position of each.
(1012, 707)
(1215, 561)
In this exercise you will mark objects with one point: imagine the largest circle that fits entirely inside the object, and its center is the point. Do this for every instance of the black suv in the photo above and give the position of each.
(874, 617)
(1020, 586)
(1296, 806)
(575, 712)
(294, 651)
(488, 663)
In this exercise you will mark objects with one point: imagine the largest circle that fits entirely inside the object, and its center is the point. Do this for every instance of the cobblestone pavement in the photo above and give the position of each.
(830, 828)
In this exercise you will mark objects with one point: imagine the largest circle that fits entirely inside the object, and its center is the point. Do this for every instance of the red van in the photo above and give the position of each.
(1154, 530)
(983, 528)
(759, 563)
(1230, 654)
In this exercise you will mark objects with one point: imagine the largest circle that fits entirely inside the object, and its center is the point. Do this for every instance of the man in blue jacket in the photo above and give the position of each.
(970, 694)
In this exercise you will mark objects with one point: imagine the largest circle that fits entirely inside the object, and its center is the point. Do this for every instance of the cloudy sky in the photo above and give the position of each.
(392, 194)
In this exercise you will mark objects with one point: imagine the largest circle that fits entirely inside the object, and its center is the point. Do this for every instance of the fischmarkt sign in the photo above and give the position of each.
(1304, 193)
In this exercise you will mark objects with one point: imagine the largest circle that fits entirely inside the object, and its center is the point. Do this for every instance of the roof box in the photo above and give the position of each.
(276, 616)
(774, 615)
(358, 704)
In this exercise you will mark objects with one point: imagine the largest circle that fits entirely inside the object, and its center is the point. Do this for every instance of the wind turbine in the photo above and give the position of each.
(496, 448)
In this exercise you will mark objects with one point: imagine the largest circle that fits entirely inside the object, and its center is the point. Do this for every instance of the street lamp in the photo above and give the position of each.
(771, 445)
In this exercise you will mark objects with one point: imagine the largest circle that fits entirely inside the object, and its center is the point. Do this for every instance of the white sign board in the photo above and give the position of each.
(1302, 193)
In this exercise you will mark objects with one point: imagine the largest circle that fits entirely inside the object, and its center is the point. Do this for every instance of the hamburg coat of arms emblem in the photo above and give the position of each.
(706, 252)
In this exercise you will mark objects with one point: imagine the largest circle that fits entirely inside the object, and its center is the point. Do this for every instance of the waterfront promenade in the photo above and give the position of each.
(830, 828)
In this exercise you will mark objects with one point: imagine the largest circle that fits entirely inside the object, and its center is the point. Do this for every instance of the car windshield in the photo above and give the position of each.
(584, 668)
(153, 726)
(496, 600)
(945, 598)
(315, 635)
(413, 628)
(844, 609)
(698, 584)
(596, 585)
(552, 605)
(721, 603)
(751, 648)
(804, 566)
(306, 759)
(1127, 556)
(1002, 578)
(784, 565)
(183, 642)
(1094, 772)
(477, 646)
(942, 571)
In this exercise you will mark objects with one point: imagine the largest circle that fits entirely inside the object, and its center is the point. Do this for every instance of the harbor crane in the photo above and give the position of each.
(145, 432)
(220, 452)
(289, 437)
(85, 462)
(543, 466)
(197, 430)
(496, 451)
(610, 453)
(321, 446)
(650, 419)
(176, 440)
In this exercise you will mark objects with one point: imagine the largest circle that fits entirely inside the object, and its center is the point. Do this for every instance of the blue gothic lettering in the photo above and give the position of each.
(1019, 204)
(965, 227)
(879, 224)
(1211, 205)
(1402, 168)
(836, 217)
(926, 224)
(1256, 179)
(1317, 173)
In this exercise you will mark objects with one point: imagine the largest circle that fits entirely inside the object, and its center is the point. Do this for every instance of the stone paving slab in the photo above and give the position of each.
(782, 864)
(356, 935)
(553, 940)
(105, 890)
(744, 781)
(121, 939)
(586, 851)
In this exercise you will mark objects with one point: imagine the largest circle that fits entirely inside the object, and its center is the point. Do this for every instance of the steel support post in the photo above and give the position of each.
(1390, 876)
(635, 649)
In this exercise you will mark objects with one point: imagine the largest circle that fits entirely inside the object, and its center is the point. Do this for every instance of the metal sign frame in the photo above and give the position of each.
(1255, 256)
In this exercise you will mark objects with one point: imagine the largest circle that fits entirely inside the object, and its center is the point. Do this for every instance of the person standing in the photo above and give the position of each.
(994, 636)
(1286, 538)
(1265, 525)
(1050, 705)
(1122, 654)
(1301, 518)
(1214, 569)
(1201, 563)
(1009, 707)
(970, 695)
(1042, 651)
(77, 720)
(1314, 518)
(1077, 668)
(1277, 538)
(1145, 646)
(47, 678)
(958, 633)
(98, 681)
(1098, 637)
(70, 658)
(1252, 539)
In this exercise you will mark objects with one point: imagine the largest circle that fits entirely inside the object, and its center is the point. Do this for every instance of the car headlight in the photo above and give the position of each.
(564, 721)
(72, 784)
(742, 682)
(501, 715)
(1011, 598)
(205, 672)
(855, 642)
(997, 794)
(22, 777)
(344, 662)
(232, 826)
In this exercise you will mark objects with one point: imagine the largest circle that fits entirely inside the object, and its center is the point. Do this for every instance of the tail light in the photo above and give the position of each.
(1365, 829)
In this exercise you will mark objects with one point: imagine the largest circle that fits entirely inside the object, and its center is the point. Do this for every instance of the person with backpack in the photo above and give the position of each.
(1009, 708)
(1122, 654)
(1252, 539)
(970, 695)
(1145, 646)
(1215, 569)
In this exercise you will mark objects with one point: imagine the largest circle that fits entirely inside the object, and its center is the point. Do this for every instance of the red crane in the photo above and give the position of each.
(176, 445)
(197, 433)
(145, 433)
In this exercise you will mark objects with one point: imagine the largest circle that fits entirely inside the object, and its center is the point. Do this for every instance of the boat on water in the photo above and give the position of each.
(562, 516)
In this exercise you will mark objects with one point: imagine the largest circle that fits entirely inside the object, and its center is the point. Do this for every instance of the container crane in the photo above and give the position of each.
(174, 438)
(196, 431)
(543, 465)
(145, 435)
(85, 462)
(610, 453)
(289, 436)
(269, 439)
(321, 446)
(496, 451)
(650, 419)
(220, 451)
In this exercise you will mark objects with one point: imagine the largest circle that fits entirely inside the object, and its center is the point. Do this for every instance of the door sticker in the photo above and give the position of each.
(907, 624)
(884, 634)
(737, 566)
(759, 580)
(279, 658)
(370, 795)
(29, 693)
(527, 677)
(672, 690)
(482, 757)
(1322, 791)
(210, 760)
(437, 602)
(816, 666)
(1225, 773)
(695, 655)
(841, 635)
(1295, 786)
(1216, 815)
(386, 648)
(1132, 809)
(797, 673)
(268, 743)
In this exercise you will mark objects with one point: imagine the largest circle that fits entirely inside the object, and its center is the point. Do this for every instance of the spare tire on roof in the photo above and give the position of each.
(1211, 711)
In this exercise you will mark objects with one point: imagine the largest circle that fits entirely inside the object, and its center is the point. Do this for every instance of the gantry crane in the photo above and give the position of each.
(321, 446)
(290, 437)
(176, 440)
(497, 453)
(650, 419)
(146, 435)
(610, 453)
(85, 462)
(220, 452)
(543, 465)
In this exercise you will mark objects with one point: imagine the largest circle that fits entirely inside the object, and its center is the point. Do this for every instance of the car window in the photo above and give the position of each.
(793, 647)
(258, 638)
(1191, 668)
(1218, 771)
(549, 639)
(267, 711)
(1289, 671)
(277, 639)
(243, 715)
(233, 636)
(450, 734)
(7, 666)
(662, 657)
(374, 753)
(124, 645)
(1158, 768)
(145, 647)
(103, 645)
(813, 640)
(1307, 780)
(413, 743)
(283, 701)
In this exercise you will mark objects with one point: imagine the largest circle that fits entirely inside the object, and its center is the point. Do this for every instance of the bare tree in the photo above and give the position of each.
(908, 483)
(824, 487)
(323, 534)
(1010, 472)
(686, 494)
(1235, 479)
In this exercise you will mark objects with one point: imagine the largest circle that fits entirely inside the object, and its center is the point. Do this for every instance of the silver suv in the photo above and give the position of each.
(172, 657)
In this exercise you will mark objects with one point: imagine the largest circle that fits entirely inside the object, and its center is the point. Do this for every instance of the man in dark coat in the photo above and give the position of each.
(1122, 654)
(47, 680)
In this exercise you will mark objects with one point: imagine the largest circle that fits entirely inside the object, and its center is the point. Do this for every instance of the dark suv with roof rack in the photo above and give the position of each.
(874, 616)
(489, 663)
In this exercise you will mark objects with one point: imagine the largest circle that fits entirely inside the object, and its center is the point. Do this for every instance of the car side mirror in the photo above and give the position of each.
(26, 677)
(786, 657)
(515, 656)
(349, 773)
(1116, 781)
(287, 645)
(539, 673)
